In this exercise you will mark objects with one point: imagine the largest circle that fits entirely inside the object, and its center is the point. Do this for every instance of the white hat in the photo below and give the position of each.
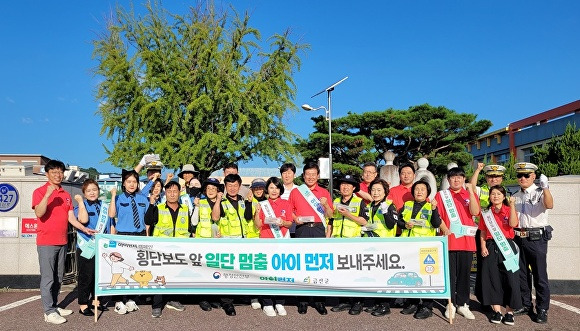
(525, 167)
(494, 170)
(187, 168)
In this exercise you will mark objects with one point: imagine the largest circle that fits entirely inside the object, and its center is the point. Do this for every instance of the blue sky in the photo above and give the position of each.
(502, 60)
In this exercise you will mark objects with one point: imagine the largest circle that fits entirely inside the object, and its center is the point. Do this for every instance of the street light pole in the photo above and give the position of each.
(328, 110)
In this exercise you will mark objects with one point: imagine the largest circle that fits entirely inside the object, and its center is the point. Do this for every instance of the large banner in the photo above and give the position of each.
(366, 267)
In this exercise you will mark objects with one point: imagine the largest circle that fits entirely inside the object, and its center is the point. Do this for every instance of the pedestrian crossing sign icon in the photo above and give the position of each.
(429, 261)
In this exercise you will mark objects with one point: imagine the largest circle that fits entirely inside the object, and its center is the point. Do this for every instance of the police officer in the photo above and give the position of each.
(532, 203)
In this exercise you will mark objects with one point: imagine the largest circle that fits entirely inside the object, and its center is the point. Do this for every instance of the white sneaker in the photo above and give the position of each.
(54, 318)
(120, 308)
(256, 304)
(465, 312)
(269, 311)
(280, 309)
(131, 306)
(453, 309)
(64, 312)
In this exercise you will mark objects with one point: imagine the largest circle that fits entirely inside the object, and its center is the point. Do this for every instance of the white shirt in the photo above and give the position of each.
(286, 194)
(530, 207)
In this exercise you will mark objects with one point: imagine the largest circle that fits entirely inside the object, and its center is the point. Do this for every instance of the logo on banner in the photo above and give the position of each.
(429, 257)
(216, 275)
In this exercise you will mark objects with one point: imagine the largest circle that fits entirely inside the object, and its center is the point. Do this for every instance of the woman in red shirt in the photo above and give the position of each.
(273, 217)
(500, 286)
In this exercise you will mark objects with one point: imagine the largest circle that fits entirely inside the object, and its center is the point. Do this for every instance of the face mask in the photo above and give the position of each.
(193, 191)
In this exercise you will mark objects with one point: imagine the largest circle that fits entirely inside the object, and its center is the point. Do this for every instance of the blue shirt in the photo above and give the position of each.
(93, 209)
(125, 212)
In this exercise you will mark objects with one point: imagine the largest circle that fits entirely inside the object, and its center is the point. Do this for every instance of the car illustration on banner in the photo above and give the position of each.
(406, 279)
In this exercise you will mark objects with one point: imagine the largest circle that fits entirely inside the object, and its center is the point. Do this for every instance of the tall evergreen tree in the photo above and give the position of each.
(195, 88)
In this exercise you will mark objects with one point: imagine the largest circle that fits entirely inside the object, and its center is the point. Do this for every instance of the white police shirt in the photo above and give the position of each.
(530, 207)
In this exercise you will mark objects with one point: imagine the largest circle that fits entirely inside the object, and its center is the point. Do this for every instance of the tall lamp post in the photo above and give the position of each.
(328, 110)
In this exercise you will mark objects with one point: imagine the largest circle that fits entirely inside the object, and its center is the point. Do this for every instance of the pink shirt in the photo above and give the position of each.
(53, 225)
(281, 209)
(461, 200)
(502, 218)
(300, 207)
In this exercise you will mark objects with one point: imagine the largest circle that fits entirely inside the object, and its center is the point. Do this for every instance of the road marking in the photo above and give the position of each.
(19, 303)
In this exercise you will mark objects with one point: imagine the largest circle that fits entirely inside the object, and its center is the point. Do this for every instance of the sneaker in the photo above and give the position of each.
(465, 312)
(175, 305)
(63, 312)
(542, 316)
(156, 312)
(269, 311)
(131, 306)
(409, 310)
(423, 313)
(54, 318)
(508, 319)
(525, 310)
(281, 310)
(256, 304)
(120, 308)
(450, 313)
(496, 317)
(340, 307)
(355, 309)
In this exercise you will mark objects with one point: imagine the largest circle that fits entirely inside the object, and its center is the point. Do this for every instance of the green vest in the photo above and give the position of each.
(233, 224)
(484, 196)
(203, 229)
(252, 229)
(379, 219)
(423, 214)
(165, 226)
(343, 227)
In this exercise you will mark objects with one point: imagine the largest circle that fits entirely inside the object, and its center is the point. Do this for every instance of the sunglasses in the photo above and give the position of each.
(523, 175)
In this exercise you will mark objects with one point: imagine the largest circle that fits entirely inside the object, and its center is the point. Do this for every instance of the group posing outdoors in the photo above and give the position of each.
(369, 208)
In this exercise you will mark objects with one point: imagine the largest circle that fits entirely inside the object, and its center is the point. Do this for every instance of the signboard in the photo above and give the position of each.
(8, 197)
(364, 267)
(9, 227)
(29, 227)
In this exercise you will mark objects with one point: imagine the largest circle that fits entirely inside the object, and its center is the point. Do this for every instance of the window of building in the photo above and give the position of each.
(527, 154)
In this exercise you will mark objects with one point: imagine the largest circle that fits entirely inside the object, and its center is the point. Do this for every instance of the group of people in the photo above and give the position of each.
(475, 219)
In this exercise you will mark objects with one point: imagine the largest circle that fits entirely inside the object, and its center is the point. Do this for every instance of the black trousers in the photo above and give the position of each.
(499, 285)
(459, 271)
(533, 268)
(86, 279)
(270, 301)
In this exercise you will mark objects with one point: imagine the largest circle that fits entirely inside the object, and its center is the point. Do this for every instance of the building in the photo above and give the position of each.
(519, 137)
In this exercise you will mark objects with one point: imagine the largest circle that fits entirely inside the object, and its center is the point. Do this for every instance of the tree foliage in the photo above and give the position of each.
(194, 88)
(561, 155)
(437, 133)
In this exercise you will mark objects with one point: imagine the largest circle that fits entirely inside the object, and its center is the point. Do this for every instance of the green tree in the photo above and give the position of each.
(93, 173)
(561, 155)
(437, 133)
(194, 88)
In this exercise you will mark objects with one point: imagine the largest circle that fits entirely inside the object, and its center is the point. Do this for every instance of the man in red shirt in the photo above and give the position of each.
(461, 231)
(370, 172)
(309, 221)
(402, 192)
(54, 210)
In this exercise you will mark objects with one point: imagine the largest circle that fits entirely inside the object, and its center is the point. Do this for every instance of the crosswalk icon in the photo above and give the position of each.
(429, 260)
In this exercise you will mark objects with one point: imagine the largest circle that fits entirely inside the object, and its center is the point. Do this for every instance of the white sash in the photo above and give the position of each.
(512, 261)
(313, 202)
(269, 213)
(458, 229)
(88, 246)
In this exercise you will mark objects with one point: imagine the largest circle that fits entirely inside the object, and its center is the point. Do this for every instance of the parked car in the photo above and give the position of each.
(406, 279)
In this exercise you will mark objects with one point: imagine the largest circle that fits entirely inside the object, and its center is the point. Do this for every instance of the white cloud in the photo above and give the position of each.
(27, 120)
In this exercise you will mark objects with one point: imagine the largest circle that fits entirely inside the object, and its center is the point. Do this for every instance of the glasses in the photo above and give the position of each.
(55, 172)
(369, 172)
(523, 175)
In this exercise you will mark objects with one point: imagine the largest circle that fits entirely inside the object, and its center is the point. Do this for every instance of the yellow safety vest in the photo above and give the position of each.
(233, 224)
(203, 229)
(165, 226)
(423, 214)
(343, 227)
(379, 219)
(484, 196)
(252, 229)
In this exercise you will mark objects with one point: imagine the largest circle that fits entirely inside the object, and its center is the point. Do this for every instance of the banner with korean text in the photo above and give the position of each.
(370, 267)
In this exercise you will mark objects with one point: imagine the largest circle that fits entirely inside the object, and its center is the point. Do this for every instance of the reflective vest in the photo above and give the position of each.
(233, 224)
(252, 229)
(165, 226)
(484, 196)
(203, 229)
(423, 214)
(343, 227)
(379, 219)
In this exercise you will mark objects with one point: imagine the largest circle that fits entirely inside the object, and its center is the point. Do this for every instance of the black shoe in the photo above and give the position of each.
(399, 303)
(302, 308)
(216, 305)
(102, 308)
(371, 309)
(381, 311)
(320, 308)
(495, 317)
(229, 309)
(409, 310)
(542, 316)
(508, 319)
(523, 311)
(340, 307)
(356, 309)
(423, 313)
(204, 305)
(87, 312)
